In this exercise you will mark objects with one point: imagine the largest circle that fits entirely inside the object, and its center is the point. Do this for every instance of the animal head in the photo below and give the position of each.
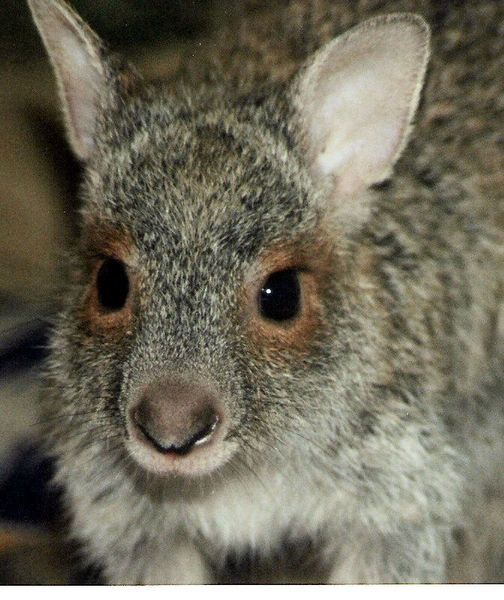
(218, 310)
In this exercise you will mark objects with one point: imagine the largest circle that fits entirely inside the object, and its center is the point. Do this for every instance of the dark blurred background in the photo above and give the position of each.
(123, 23)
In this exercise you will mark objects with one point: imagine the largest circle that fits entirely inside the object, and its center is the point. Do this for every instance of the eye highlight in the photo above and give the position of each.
(112, 285)
(280, 296)
(284, 298)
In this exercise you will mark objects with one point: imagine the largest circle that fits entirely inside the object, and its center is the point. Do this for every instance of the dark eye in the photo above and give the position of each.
(112, 284)
(280, 296)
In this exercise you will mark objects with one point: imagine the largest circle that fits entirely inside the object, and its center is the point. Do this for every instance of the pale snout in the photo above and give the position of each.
(175, 427)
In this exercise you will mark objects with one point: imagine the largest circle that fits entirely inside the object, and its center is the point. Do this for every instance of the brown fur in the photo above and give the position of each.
(314, 261)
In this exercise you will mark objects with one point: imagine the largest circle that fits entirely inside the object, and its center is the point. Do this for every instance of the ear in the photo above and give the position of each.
(83, 69)
(358, 96)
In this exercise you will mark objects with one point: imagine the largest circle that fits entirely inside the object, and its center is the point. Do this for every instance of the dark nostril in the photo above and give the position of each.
(180, 448)
(197, 439)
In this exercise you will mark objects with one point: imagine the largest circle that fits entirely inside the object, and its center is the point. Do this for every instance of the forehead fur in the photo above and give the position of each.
(199, 169)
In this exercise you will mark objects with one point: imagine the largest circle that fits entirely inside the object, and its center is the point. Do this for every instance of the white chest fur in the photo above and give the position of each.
(258, 514)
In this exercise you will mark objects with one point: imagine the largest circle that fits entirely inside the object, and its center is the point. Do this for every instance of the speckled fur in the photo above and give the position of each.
(378, 441)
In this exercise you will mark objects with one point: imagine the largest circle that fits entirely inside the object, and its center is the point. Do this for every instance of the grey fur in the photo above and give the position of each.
(377, 443)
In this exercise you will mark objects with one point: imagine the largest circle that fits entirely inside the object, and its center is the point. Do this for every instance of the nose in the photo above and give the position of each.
(174, 417)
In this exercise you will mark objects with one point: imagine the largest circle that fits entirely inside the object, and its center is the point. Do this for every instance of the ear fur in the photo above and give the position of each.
(357, 97)
(82, 67)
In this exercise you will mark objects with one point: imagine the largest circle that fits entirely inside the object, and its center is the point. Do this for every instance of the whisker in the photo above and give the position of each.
(62, 416)
(243, 463)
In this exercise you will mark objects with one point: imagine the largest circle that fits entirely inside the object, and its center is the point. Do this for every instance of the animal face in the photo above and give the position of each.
(216, 312)
(205, 281)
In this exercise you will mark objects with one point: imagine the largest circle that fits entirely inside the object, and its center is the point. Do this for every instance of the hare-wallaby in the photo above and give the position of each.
(272, 346)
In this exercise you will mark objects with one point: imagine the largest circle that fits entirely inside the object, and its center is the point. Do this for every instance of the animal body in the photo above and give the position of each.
(280, 346)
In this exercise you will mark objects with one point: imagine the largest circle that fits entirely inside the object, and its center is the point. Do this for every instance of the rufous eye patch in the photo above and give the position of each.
(108, 303)
(284, 296)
